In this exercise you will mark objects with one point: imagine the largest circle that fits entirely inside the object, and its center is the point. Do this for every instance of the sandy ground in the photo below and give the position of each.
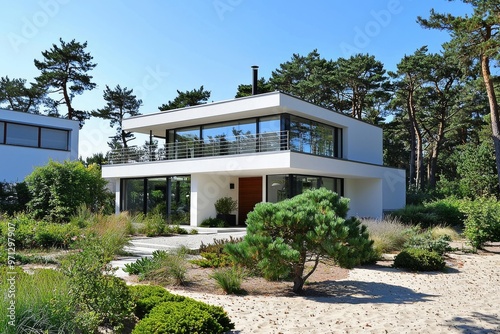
(380, 299)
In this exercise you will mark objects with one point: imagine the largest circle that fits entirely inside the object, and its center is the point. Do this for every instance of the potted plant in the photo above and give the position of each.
(224, 207)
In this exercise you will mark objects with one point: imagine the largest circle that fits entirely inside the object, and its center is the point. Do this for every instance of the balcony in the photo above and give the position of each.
(210, 147)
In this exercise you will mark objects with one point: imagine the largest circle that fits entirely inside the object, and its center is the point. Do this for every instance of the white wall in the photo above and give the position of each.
(365, 196)
(205, 190)
(394, 189)
(19, 161)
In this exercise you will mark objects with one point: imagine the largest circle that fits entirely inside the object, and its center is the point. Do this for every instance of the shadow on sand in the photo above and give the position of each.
(469, 324)
(356, 292)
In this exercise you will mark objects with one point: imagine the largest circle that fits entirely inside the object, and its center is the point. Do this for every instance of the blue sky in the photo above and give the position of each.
(157, 47)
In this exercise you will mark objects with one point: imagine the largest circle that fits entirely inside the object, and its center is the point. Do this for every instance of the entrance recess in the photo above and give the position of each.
(249, 194)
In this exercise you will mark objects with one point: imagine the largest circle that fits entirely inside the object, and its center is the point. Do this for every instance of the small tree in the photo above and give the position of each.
(58, 189)
(282, 237)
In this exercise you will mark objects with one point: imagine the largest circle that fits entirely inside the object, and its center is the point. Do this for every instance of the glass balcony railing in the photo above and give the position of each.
(210, 147)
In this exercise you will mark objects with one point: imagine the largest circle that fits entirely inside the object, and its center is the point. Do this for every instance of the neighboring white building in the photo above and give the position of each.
(264, 147)
(28, 141)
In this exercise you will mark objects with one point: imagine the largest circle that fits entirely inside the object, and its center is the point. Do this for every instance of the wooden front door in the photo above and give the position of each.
(249, 194)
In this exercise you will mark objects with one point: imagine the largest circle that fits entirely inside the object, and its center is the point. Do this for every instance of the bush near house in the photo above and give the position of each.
(58, 189)
(416, 259)
(282, 237)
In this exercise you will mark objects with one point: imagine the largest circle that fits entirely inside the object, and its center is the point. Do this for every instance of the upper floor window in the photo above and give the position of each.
(2, 132)
(33, 136)
(23, 135)
(53, 138)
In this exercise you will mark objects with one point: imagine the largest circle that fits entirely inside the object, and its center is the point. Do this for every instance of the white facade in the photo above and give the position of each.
(358, 170)
(21, 152)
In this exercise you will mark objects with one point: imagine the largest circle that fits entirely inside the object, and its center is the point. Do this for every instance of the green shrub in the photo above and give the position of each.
(178, 317)
(419, 260)
(59, 189)
(225, 205)
(213, 222)
(31, 233)
(425, 240)
(445, 212)
(147, 297)
(99, 297)
(229, 279)
(483, 221)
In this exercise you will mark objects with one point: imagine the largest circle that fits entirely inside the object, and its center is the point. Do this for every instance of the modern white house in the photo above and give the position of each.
(264, 147)
(29, 140)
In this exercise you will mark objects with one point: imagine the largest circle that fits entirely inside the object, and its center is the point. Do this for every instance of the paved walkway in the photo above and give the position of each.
(145, 246)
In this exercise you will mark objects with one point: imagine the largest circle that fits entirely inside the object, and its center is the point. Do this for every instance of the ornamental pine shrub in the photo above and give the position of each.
(282, 236)
(416, 259)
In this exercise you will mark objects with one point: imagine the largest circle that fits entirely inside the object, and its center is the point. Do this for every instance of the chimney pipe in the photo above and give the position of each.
(255, 72)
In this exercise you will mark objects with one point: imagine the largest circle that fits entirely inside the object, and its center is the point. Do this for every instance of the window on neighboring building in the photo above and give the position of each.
(24, 135)
(2, 132)
(54, 139)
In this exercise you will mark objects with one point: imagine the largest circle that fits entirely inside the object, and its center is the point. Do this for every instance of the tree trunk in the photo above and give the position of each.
(298, 272)
(492, 100)
(435, 153)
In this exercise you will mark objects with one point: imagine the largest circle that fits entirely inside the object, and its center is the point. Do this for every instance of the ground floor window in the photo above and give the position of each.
(283, 186)
(167, 195)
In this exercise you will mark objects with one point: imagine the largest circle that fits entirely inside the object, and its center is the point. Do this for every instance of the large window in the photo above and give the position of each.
(280, 187)
(34, 136)
(133, 195)
(24, 135)
(316, 138)
(168, 196)
(261, 134)
(55, 139)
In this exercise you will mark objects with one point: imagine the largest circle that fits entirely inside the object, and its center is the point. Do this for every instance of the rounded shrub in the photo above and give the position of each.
(419, 260)
(148, 297)
(178, 317)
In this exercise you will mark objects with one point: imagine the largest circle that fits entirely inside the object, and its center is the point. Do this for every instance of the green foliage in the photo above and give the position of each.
(225, 205)
(99, 297)
(59, 189)
(146, 264)
(120, 103)
(178, 317)
(213, 222)
(229, 279)
(161, 266)
(19, 97)
(482, 221)
(64, 69)
(147, 298)
(187, 99)
(388, 235)
(416, 259)
(425, 240)
(42, 302)
(445, 212)
(30, 233)
(282, 236)
(213, 254)
(13, 197)
(155, 224)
